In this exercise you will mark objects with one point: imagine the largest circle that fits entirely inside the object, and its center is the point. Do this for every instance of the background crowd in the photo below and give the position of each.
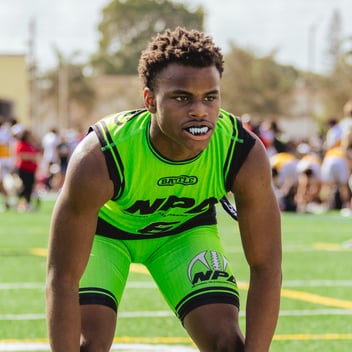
(312, 175)
(31, 166)
(308, 175)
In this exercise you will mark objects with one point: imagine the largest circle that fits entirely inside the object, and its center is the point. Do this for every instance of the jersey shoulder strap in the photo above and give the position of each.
(241, 144)
(105, 129)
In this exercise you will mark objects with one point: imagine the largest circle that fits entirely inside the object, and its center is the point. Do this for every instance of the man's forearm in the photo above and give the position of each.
(263, 304)
(63, 319)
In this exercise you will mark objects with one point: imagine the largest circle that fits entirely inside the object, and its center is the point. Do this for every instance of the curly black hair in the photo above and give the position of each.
(190, 48)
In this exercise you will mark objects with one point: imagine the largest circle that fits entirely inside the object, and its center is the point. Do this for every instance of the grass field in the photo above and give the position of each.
(316, 296)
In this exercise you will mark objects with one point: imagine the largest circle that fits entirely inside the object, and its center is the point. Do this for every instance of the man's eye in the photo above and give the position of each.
(181, 98)
(210, 98)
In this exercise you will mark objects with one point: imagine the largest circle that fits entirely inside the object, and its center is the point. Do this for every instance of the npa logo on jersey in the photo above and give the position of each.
(177, 180)
(209, 266)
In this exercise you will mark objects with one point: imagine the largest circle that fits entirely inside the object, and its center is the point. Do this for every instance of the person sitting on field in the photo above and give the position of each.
(285, 178)
(307, 195)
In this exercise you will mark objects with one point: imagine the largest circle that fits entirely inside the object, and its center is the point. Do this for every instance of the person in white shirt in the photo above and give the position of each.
(50, 142)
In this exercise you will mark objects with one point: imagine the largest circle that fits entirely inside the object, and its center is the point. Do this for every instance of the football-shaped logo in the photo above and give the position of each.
(205, 264)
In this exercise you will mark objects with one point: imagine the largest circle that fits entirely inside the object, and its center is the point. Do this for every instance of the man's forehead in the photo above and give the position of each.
(188, 76)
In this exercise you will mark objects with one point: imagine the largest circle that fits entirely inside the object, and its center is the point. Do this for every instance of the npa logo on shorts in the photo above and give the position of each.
(178, 180)
(209, 266)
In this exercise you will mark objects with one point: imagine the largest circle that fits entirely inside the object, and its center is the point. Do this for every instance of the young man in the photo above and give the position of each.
(142, 187)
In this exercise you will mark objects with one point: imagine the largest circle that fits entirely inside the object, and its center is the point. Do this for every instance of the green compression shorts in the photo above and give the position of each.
(190, 270)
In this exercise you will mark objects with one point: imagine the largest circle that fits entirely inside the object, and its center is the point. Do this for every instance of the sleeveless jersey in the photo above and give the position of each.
(154, 196)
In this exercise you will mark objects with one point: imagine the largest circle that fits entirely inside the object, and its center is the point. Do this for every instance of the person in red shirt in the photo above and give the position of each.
(27, 155)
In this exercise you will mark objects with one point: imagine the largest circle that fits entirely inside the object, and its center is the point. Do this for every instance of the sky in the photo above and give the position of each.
(295, 29)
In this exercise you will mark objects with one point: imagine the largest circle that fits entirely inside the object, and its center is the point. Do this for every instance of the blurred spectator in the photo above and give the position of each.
(307, 196)
(50, 142)
(27, 159)
(285, 178)
(64, 153)
(3, 191)
(346, 144)
(247, 123)
(16, 129)
(6, 157)
(336, 166)
(270, 135)
(335, 177)
(346, 121)
(333, 134)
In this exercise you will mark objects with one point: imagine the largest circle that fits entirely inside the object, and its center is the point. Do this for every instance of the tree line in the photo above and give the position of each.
(256, 85)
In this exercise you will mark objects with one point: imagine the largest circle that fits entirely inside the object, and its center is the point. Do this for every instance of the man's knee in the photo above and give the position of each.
(222, 343)
(98, 328)
(225, 341)
(215, 328)
(94, 345)
(229, 342)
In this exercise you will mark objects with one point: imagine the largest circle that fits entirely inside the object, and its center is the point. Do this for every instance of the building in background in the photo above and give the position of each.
(14, 88)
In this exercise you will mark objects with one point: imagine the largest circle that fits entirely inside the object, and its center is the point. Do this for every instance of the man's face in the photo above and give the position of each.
(185, 106)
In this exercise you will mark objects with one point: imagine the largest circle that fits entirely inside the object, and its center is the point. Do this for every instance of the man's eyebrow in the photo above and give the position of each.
(185, 92)
(214, 91)
(181, 91)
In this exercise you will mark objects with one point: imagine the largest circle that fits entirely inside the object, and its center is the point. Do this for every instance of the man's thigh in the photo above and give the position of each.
(192, 270)
(104, 279)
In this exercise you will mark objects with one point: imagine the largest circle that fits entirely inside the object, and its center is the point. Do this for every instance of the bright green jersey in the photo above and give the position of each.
(155, 196)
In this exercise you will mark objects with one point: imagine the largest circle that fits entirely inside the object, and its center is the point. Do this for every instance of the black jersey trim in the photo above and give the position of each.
(112, 157)
(109, 148)
(229, 296)
(96, 295)
(107, 230)
(241, 144)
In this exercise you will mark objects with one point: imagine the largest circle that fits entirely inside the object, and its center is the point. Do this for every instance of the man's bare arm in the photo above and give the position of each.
(87, 187)
(259, 221)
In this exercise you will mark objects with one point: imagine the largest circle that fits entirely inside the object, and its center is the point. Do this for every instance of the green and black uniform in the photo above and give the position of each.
(163, 215)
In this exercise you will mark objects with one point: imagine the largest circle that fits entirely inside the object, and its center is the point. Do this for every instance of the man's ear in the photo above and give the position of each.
(149, 100)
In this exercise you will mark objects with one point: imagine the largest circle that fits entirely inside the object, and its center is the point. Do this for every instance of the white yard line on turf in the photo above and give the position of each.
(161, 314)
(151, 284)
(40, 346)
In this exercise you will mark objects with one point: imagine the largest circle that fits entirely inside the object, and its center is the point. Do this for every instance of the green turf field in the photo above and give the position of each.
(316, 297)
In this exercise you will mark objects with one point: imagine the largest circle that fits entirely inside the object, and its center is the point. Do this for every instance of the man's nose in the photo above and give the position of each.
(197, 110)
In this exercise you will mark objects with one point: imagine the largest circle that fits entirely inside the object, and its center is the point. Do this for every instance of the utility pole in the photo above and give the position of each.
(312, 47)
(34, 99)
(63, 94)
